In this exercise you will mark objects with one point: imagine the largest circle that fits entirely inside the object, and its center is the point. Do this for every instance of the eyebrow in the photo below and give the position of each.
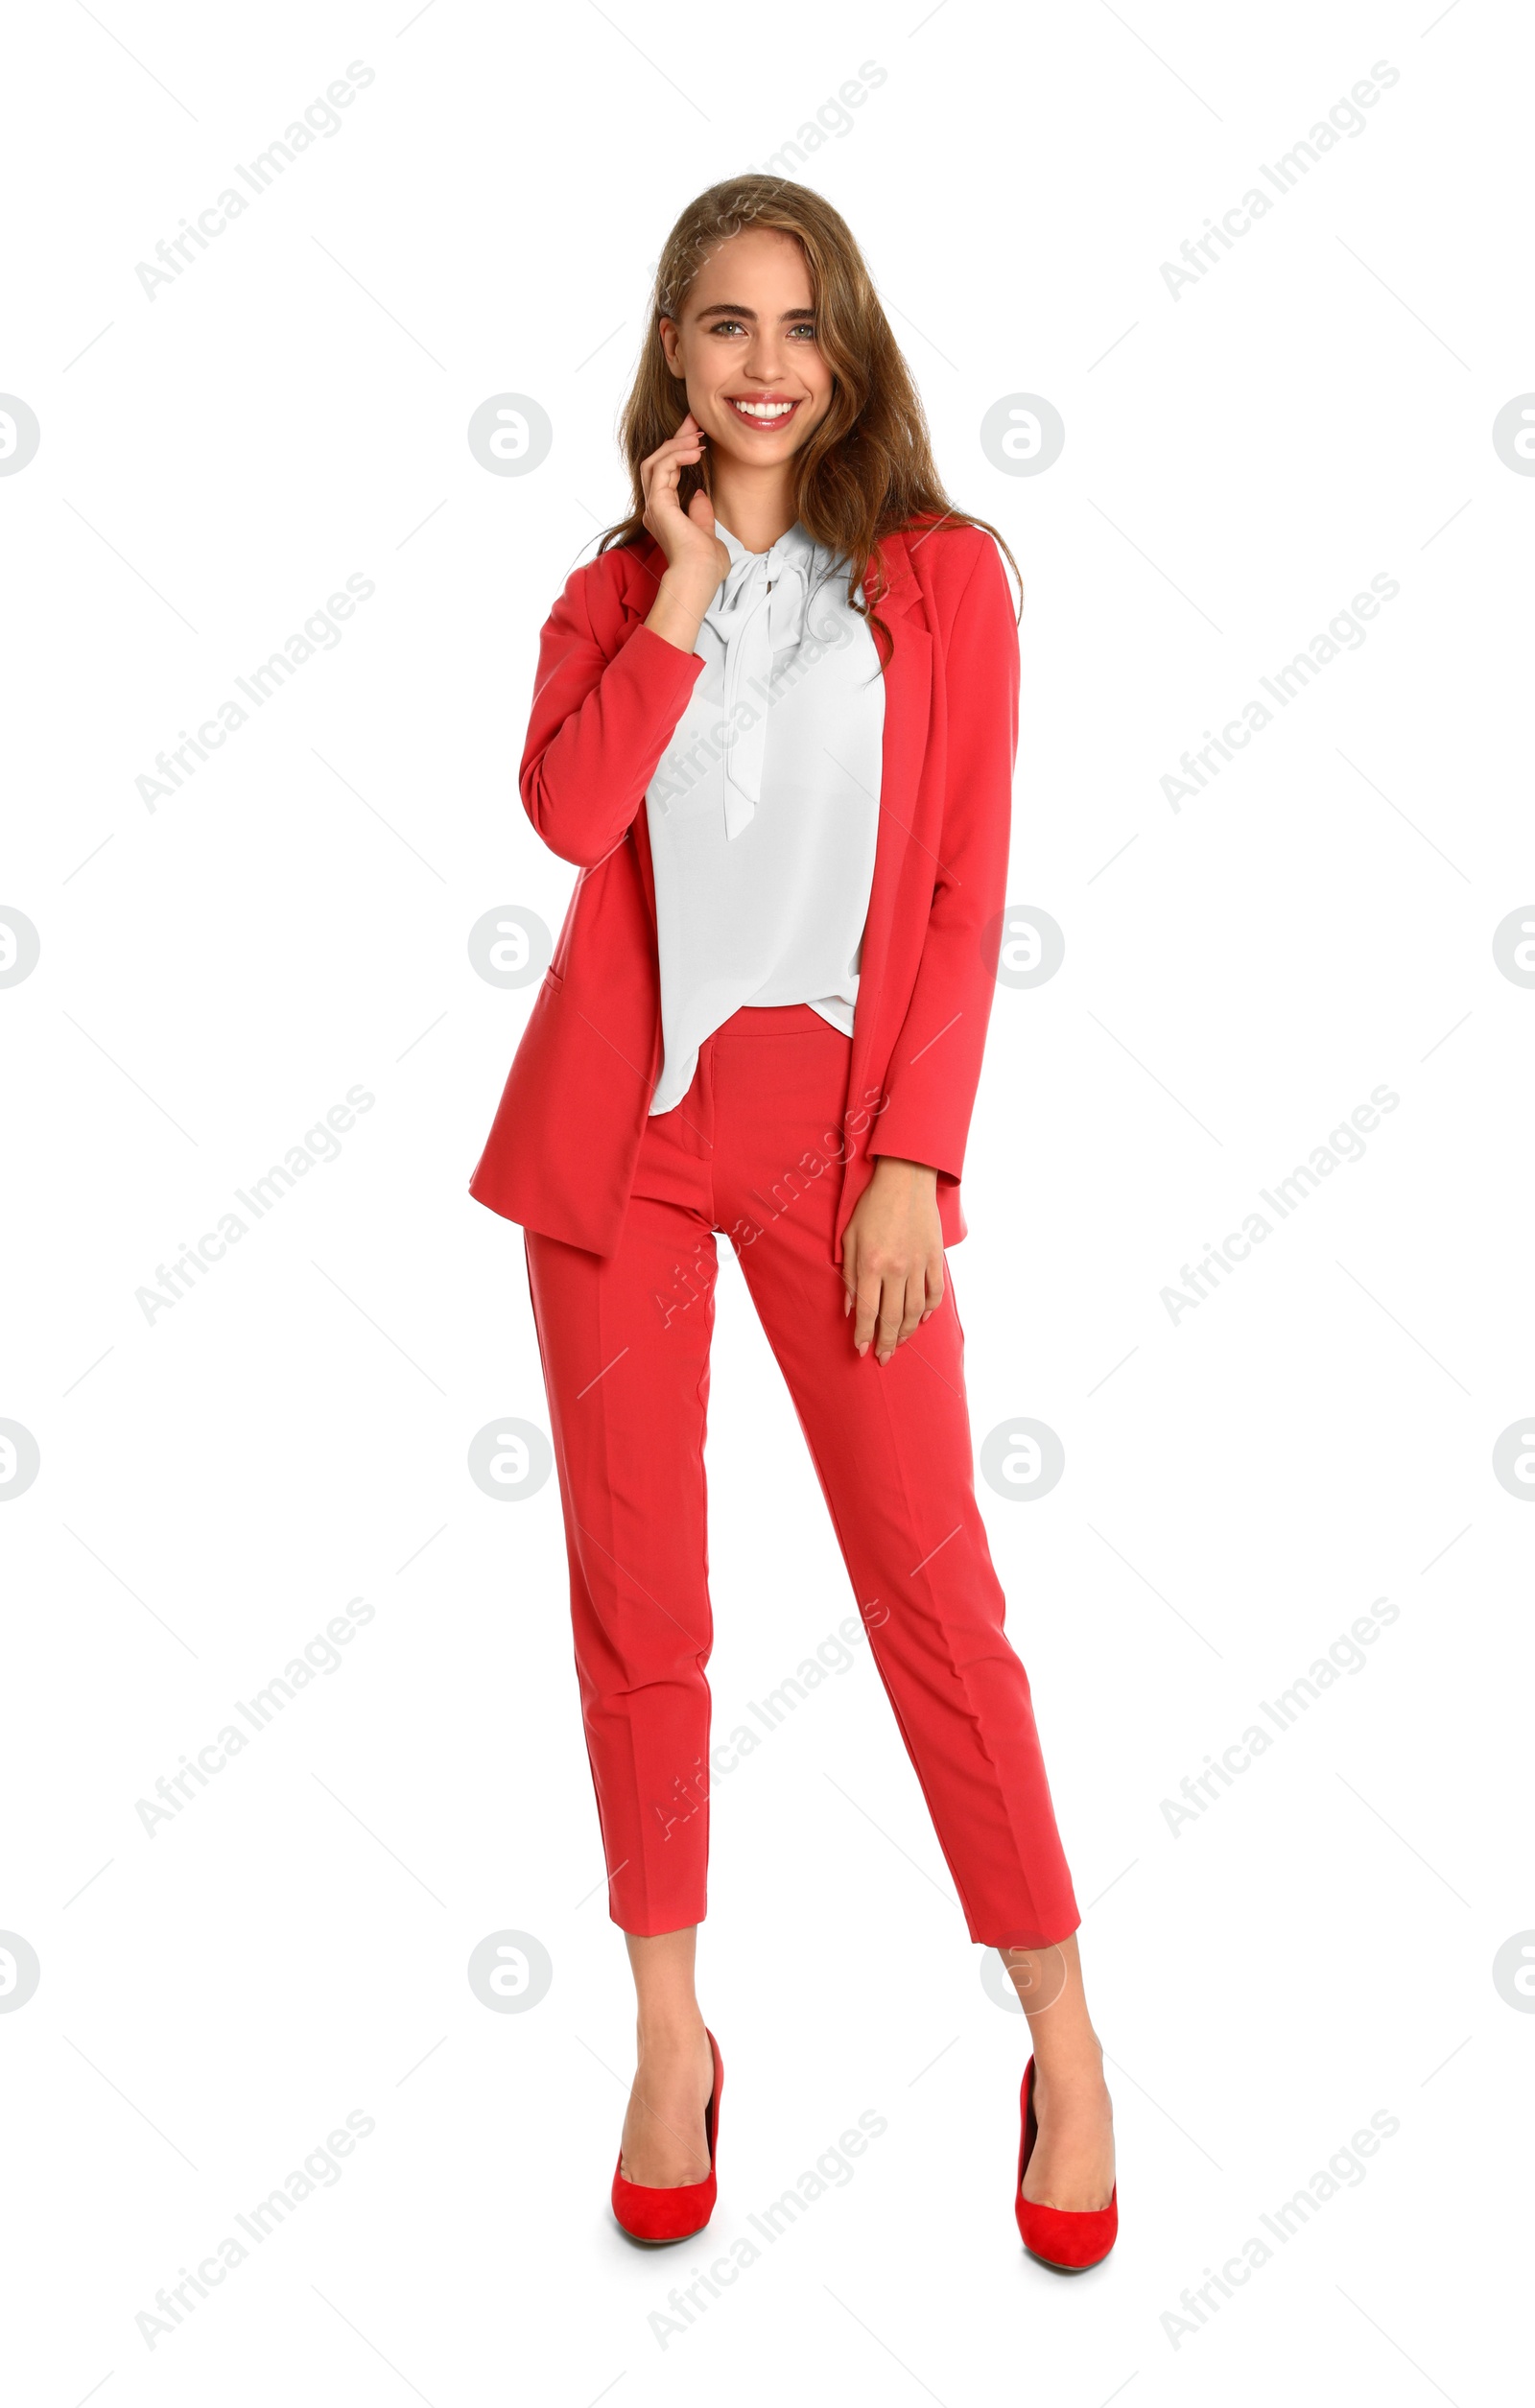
(739, 309)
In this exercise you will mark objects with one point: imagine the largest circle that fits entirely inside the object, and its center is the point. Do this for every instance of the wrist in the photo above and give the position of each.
(897, 1166)
(676, 613)
(691, 585)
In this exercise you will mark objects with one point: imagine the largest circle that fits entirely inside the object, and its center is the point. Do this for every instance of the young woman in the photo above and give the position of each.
(774, 726)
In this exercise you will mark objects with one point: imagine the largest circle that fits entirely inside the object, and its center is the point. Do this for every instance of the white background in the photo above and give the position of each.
(1239, 1484)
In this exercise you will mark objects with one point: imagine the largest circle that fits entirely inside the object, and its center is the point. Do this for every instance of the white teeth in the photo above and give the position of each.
(764, 409)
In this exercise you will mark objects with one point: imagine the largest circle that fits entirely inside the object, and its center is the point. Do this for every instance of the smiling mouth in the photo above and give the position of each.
(766, 416)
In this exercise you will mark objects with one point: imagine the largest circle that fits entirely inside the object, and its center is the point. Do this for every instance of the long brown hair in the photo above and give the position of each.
(868, 468)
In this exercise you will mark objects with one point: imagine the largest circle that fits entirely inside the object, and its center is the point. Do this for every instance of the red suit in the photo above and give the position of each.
(773, 1144)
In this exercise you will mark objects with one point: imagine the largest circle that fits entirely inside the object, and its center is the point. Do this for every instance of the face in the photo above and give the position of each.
(745, 344)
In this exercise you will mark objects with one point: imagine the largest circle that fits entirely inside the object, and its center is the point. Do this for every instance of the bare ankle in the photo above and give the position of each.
(674, 2032)
(1074, 2072)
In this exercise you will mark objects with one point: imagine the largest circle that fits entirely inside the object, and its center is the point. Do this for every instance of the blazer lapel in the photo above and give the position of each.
(644, 564)
(908, 707)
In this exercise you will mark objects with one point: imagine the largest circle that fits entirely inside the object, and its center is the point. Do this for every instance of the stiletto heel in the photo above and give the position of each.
(1069, 2239)
(648, 2213)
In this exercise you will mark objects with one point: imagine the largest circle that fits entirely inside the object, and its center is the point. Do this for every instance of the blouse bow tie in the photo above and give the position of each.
(758, 612)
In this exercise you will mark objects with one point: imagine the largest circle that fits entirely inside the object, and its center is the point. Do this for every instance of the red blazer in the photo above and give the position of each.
(561, 1153)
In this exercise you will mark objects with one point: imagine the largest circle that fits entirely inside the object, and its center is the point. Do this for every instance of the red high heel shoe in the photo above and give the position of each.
(648, 2213)
(1070, 2238)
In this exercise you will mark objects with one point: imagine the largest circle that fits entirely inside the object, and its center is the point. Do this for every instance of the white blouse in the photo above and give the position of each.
(765, 806)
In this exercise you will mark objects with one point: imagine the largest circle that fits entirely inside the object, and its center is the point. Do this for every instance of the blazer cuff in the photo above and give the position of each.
(665, 674)
(909, 1142)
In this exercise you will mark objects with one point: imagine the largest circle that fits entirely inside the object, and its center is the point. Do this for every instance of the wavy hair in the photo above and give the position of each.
(867, 470)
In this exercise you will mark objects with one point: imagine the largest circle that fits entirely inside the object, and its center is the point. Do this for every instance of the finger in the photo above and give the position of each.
(664, 467)
(662, 489)
(914, 1305)
(662, 500)
(868, 1310)
(689, 437)
(892, 1312)
(673, 455)
(935, 1286)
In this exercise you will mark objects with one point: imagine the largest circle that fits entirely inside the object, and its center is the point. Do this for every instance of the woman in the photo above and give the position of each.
(774, 726)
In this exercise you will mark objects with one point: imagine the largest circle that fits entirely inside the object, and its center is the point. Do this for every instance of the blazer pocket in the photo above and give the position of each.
(553, 980)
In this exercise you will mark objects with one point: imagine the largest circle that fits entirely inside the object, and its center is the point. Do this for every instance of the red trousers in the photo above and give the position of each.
(624, 1340)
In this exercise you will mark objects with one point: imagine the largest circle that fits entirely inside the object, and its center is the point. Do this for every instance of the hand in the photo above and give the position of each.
(892, 1256)
(696, 558)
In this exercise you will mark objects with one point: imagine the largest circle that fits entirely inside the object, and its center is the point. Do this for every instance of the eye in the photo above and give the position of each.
(728, 326)
(808, 330)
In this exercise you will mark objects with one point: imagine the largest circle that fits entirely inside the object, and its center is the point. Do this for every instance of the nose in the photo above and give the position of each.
(767, 358)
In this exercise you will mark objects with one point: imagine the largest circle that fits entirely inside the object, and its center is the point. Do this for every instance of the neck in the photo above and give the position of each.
(756, 503)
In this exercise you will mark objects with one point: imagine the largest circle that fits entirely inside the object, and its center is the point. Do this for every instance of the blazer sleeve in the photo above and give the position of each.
(936, 1062)
(599, 724)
